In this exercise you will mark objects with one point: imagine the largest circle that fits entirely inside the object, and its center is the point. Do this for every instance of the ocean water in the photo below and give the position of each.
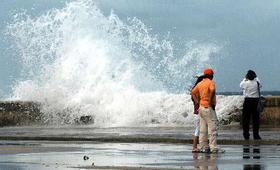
(78, 60)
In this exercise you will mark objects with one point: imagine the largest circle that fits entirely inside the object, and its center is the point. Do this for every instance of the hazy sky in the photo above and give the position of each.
(248, 31)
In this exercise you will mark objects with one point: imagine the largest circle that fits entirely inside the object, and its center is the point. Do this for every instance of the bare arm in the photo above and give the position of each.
(212, 95)
(195, 98)
(213, 98)
(195, 94)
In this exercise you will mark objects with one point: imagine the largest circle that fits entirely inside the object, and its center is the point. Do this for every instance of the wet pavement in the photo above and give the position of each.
(231, 135)
(131, 148)
(71, 155)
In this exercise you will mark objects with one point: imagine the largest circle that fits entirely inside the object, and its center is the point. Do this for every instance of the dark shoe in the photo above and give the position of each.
(246, 138)
(257, 138)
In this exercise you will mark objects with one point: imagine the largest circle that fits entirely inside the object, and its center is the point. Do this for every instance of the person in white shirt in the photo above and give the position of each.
(250, 86)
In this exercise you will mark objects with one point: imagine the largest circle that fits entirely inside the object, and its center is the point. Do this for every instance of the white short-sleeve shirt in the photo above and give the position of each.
(250, 88)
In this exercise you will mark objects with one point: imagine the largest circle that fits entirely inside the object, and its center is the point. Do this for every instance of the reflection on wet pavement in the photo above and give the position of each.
(205, 161)
(61, 155)
(252, 152)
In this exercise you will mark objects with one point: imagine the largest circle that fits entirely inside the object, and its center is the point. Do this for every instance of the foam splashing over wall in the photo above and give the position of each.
(77, 61)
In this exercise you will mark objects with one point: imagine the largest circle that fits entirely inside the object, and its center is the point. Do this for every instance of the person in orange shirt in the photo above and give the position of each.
(204, 93)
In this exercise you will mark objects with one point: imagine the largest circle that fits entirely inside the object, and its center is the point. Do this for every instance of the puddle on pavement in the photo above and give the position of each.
(51, 155)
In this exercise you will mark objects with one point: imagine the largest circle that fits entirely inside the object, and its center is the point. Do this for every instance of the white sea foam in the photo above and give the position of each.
(76, 61)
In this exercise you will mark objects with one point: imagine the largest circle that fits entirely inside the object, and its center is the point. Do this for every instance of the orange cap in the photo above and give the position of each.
(208, 71)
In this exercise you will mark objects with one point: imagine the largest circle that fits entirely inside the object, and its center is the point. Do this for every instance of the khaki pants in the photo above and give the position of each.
(208, 126)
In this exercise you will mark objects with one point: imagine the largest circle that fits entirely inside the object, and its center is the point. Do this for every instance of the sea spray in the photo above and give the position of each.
(76, 61)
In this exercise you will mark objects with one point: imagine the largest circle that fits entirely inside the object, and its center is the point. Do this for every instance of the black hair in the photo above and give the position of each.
(208, 76)
(251, 75)
(199, 79)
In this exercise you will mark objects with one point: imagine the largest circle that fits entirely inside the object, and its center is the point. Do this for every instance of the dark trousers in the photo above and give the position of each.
(250, 111)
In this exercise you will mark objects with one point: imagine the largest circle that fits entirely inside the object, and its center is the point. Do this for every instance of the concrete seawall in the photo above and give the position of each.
(16, 113)
(13, 113)
(271, 114)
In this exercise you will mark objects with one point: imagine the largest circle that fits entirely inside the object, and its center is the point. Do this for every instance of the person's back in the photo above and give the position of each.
(204, 89)
(250, 88)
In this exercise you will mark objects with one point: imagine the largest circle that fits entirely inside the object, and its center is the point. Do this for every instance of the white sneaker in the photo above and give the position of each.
(205, 150)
